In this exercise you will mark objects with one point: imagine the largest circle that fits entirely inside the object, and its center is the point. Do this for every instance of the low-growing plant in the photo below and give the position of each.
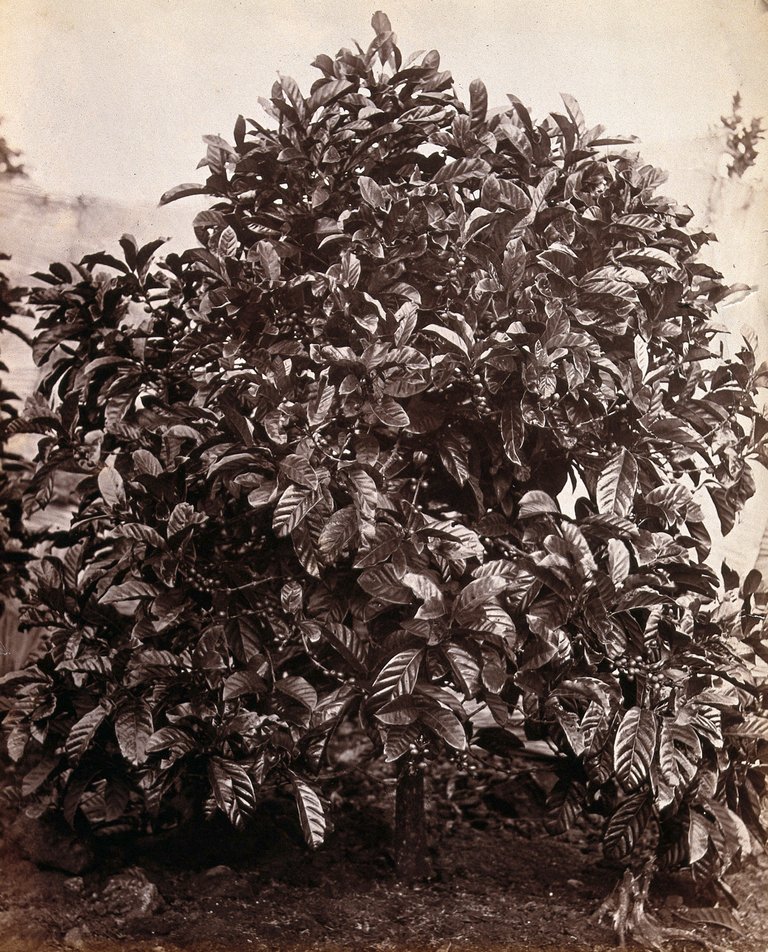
(419, 434)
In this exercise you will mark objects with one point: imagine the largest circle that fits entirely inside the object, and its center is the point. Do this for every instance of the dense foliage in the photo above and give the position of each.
(419, 434)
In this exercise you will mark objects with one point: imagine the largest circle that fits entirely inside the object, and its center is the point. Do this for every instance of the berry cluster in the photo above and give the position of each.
(635, 666)
(464, 764)
(201, 580)
(455, 265)
(419, 755)
(478, 393)
(268, 605)
(291, 324)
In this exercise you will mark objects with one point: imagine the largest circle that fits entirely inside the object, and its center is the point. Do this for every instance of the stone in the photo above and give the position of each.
(77, 937)
(131, 895)
(51, 843)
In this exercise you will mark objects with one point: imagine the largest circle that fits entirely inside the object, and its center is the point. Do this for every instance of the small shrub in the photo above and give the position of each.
(420, 431)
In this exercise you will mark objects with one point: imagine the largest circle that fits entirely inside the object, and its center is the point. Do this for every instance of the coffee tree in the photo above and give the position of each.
(419, 435)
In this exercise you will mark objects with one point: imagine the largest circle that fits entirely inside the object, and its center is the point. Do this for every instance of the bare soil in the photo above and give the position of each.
(499, 883)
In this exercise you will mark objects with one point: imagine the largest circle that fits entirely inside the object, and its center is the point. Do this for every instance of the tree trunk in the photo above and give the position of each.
(411, 859)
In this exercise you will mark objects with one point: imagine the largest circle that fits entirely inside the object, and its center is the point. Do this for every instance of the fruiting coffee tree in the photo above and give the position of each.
(419, 435)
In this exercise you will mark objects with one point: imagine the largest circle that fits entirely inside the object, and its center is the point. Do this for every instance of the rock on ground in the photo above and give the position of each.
(131, 895)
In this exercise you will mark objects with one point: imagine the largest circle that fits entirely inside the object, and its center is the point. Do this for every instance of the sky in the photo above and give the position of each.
(111, 97)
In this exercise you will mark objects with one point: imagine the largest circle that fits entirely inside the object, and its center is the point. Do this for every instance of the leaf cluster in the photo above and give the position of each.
(420, 433)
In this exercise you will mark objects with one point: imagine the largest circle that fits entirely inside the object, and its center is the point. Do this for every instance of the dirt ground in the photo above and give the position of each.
(500, 883)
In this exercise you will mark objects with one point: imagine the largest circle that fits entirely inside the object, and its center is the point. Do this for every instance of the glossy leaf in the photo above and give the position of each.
(311, 813)
(617, 484)
(634, 747)
(133, 727)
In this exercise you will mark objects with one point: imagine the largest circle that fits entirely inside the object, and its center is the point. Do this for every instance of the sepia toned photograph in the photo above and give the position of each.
(383, 476)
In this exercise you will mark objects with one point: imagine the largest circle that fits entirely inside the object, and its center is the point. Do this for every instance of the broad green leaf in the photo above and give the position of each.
(618, 561)
(139, 533)
(387, 540)
(292, 508)
(447, 335)
(111, 487)
(133, 728)
(429, 592)
(364, 490)
(348, 643)
(299, 470)
(494, 674)
(634, 747)
(712, 916)
(461, 170)
(455, 459)
(512, 432)
(384, 584)
(299, 689)
(627, 825)
(146, 462)
(320, 404)
(465, 668)
(381, 24)
(535, 503)
(311, 813)
(292, 597)
(129, 590)
(398, 740)
(232, 788)
(699, 829)
(478, 103)
(183, 191)
(514, 261)
(82, 732)
(478, 593)
(390, 413)
(327, 93)
(371, 192)
(398, 676)
(263, 495)
(246, 681)
(34, 779)
(264, 254)
(228, 244)
(654, 257)
(401, 710)
(446, 725)
(183, 516)
(616, 485)
(170, 737)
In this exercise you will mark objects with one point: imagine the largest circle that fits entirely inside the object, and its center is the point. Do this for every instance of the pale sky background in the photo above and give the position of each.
(111, 97)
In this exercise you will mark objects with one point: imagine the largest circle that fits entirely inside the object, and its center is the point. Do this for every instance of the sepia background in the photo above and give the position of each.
(108, 99)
